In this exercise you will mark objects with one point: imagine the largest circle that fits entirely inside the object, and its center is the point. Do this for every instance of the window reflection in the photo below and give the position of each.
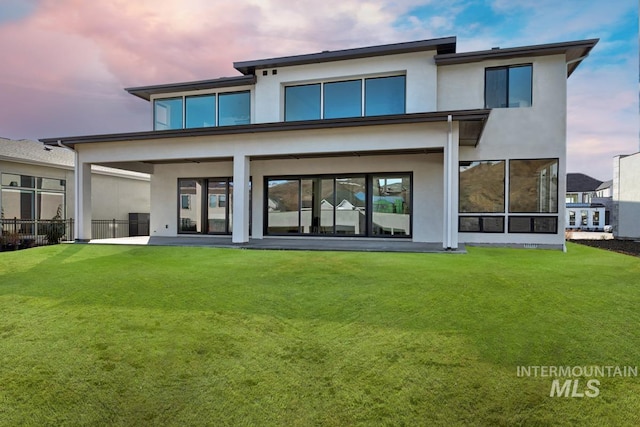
(234, 108)
(384, 95)
(482, 187)
(391, 205)
(533, 185)
(343, 99)
(167, 113)
(200, 111)
(302, 102)
(283, 205)
(190, 193)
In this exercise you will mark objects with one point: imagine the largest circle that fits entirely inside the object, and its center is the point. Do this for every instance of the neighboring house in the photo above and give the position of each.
(37, 180)
(584, 210)
(408, 140)
(626, 196)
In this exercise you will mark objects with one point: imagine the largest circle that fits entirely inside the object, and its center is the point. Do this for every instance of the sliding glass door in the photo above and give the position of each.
(358, 205)
(205, 205)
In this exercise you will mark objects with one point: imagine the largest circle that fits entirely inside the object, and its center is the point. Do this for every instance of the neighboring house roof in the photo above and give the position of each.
(605, 185)
(579, 182)
(33, 152)
(575, 52)
(441, 45)
(36, 153)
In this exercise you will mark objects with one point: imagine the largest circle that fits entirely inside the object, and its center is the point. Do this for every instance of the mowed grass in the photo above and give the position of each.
(114, 335)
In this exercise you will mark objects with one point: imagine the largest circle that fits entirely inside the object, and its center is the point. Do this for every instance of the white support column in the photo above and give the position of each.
(450, 220)
(241, 169)
(83, 201)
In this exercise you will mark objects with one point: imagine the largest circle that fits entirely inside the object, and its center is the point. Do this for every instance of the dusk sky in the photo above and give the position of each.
(65, 62)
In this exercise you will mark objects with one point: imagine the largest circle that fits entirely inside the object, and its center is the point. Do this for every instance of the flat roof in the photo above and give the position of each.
(472, 125)
(442, 45)
(575, 52)
(145, 92)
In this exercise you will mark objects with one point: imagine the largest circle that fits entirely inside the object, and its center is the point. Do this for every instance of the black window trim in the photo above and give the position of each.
(480, 223)
(508, 177)
(508, 67)
(504, 187)
(363, 101)
(532, 219)
(368, 233)
(184, 97)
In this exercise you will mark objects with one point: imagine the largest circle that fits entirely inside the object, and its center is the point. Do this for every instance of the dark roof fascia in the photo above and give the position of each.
(439, 116)
(145, 92)
(575, 51)
(441, 45)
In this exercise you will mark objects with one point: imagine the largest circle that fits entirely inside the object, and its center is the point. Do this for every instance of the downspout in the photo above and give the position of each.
(449, 183)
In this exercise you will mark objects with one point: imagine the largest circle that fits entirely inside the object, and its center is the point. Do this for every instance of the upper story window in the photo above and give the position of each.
(508, 87)
(351, 98)
(223, 109)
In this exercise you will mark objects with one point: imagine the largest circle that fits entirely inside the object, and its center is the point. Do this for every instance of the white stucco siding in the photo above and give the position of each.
(115, 197)
(419, 68)
(359, 139)
(427, 186)
(532, 132)
(628, 197)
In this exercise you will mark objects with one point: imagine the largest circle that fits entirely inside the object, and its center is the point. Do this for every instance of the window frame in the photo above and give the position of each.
(183, 97)
(557, 192)
(508, 68)
(361, 79)
(368, 203)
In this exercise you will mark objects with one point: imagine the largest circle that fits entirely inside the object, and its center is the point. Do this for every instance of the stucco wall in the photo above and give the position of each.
(427, 192)
(628, 197)
(115, 197)
(532, 132)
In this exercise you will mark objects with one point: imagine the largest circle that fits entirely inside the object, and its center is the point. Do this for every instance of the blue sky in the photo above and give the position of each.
(66, 62)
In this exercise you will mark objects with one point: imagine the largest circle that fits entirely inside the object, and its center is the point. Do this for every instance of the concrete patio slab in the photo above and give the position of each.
(276, 243)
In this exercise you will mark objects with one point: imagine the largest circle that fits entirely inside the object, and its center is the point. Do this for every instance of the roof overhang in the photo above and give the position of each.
(471, 125)
(145, 92)
(575, 52)
(442, 45)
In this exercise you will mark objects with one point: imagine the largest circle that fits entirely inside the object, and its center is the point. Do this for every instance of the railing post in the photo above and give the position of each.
(113, 230)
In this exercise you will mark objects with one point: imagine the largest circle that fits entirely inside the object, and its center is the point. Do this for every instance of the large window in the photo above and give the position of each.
(533, 186)
(508, 87)
(234, 109)
(360, 205)
(223, 109)
(352, 98)
(168, 114)
(482, 187)
(205, 205)
(200, 111)
(32, 198)
(384, 95)
(302, 102)
(343, 99)
(533, 189)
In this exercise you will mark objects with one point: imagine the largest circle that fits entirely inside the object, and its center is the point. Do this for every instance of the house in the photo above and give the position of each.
(626, 196)
(585, 210)
(400, 141)
(38, 183)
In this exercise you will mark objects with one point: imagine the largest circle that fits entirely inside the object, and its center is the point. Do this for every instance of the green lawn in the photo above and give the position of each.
(114, 335)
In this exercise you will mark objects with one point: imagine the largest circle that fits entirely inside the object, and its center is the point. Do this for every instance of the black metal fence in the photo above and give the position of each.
(23, 233)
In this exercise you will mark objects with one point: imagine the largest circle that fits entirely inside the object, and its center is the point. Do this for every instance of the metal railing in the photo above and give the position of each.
(24, 233)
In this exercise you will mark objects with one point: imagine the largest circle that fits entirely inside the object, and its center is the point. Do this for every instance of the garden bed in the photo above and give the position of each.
(629, 247)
